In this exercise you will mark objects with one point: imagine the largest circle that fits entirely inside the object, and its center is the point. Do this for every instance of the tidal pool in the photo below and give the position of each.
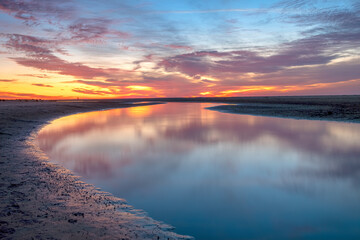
(218, 175)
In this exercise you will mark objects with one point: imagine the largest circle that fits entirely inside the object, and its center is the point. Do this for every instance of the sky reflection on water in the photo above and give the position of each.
(218, 175)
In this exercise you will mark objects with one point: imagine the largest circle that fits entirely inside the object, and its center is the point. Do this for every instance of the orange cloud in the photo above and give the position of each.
(41, 85)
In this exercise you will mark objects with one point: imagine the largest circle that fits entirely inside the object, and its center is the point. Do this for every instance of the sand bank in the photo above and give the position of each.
(329, 108)
(40, 200)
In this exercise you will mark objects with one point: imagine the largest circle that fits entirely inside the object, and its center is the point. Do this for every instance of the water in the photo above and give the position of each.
(217, 175)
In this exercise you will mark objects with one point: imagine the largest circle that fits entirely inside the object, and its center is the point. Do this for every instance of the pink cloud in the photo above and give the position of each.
(8, 80)
(41, 85)
(32, 11)
(93, 29)
(174, 46)
(214, 62)
(55, 64)
(34, 75)
(90, 91)
(40, 57)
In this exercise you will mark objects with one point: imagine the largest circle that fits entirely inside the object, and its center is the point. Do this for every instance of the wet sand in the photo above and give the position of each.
(329, 108)
(39, 200)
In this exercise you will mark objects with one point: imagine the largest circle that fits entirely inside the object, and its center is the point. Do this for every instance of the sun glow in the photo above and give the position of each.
(140, 88)
(206, 93)
(242, 90)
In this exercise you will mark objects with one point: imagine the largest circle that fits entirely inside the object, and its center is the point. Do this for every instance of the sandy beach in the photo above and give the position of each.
(42, 201)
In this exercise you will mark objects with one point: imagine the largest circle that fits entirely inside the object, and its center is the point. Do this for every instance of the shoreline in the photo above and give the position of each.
(329, 112)
(43, 200)
(344, 108)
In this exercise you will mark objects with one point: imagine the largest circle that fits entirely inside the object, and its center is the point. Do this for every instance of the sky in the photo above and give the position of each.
(91, 49)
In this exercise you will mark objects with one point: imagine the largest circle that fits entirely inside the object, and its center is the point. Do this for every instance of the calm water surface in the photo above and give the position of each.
(217, 175)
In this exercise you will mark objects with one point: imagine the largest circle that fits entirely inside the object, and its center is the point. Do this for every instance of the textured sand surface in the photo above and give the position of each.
(330, 108)
(39, 200)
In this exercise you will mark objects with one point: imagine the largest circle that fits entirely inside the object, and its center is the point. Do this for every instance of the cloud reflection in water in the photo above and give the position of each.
(196, 168)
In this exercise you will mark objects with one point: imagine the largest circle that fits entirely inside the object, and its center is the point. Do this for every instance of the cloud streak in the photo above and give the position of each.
(42, 85)
(7, 80)
(40, 57)
(93, 30)
(246, 10)
(244, 61)
(33, 11)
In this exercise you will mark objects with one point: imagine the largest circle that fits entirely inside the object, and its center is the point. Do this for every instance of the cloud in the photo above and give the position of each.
(130, 91)
(92, 30)
(34, 75)
(247, 10)
(148, 84)
(335, 34)
(102, 84)
(174, 46)
(15, 95)
(214, 62)
(52, 63)
(33, 11)
(337, 72)
(8, 80)
(90, 91)
(40, 57)
(334, 25)
(293, 4)
(28, 44)
(41, 85)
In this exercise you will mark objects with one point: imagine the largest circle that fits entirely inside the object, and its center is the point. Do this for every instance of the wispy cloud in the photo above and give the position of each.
(33, 11)
(42, 85)
(91, 92)
(246, 10)
(8, 80)
(93, 30)
(174, 46)
(37, 55)
(246, 61)
(35, 75)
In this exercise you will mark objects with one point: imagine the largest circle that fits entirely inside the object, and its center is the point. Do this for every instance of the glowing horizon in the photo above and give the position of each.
(136, 49)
